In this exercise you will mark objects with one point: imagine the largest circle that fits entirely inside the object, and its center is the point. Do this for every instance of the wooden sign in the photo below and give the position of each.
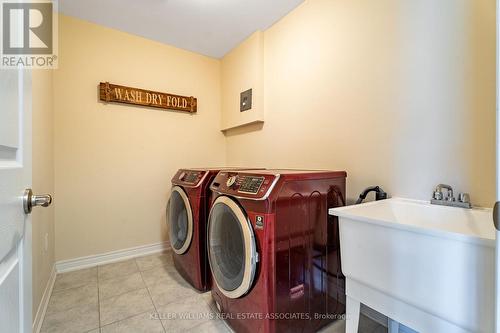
(121, 94)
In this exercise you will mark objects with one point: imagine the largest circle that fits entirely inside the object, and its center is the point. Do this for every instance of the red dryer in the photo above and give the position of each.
(187, 212)
(274, 251)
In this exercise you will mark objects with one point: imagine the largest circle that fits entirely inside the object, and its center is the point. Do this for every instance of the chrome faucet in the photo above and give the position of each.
(438, 197)
(438, 192)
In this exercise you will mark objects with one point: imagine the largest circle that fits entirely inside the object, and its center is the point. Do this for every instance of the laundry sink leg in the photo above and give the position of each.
(352, 315)
(393, 326)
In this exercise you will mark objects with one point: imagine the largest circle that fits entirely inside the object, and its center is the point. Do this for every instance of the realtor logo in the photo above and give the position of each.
(28, 34)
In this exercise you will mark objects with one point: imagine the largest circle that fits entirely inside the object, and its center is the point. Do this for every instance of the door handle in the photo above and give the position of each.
(30, 200)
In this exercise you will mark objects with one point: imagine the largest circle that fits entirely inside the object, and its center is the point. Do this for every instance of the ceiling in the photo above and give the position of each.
(209, 27)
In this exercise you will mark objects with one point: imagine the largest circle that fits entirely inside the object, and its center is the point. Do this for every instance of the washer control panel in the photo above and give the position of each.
(242, 184)
(188, 177)
(192, 177)
(250, 184)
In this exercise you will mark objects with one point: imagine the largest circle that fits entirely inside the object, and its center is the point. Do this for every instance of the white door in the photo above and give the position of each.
(496, 211)
(15, 225)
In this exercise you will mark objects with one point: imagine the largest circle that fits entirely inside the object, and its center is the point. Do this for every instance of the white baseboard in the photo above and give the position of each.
(44, 302)
(110, 257)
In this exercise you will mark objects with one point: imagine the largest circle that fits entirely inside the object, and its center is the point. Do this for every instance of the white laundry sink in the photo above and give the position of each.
(428, 267)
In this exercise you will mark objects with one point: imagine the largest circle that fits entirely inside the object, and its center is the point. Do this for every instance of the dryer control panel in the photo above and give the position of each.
(190, 178)
(252, 186)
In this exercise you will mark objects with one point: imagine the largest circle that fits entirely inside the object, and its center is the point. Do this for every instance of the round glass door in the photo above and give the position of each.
(231, 248)
(180, 220)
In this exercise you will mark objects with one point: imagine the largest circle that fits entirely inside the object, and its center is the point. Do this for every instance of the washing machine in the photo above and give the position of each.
(187, 212)
(274, 252)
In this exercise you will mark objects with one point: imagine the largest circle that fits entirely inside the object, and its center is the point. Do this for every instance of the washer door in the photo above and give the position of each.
(231, 248)
(180, 219)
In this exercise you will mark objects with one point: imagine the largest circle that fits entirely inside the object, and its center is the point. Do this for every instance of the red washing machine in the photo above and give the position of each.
(187, 213)
(274, 251)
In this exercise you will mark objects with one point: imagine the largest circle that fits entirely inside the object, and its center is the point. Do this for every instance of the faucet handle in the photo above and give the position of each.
(464, 197)
(438, 195)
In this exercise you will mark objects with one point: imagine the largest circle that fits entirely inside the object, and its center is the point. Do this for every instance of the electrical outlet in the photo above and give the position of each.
(246, 100)
(46, 245)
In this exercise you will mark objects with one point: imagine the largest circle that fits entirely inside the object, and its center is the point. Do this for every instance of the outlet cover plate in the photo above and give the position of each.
(246, 100)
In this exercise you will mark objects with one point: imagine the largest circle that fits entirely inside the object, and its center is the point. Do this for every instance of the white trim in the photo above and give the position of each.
(110, 257)
(44, 302)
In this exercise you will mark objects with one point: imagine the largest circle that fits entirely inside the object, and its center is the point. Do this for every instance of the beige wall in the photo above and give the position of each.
(43, 181)
(242, 69)
(113, 163)
(398, 93)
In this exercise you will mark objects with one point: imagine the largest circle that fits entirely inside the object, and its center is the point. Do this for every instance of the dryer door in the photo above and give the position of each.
(231, 248)
(180, 219)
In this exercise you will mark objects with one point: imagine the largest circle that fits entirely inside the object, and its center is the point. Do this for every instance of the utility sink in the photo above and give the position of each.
(428, 267)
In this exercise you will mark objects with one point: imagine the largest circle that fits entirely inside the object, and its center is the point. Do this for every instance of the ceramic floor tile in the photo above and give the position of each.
(211, 326)
(207, 296)
(210, 301)
(75, 320)
(162, 274)
(143, 323)
(114, 287)
(75, 279)
(124, 306)
(228, 329)
(170, 291)
(155, 260)
(185, 314)
(68, 298)
(117, 269)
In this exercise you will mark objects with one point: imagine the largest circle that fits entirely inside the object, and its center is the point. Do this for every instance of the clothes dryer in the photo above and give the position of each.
(274, 251)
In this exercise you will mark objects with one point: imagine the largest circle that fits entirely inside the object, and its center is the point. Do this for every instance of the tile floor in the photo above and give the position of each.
(139, 295)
